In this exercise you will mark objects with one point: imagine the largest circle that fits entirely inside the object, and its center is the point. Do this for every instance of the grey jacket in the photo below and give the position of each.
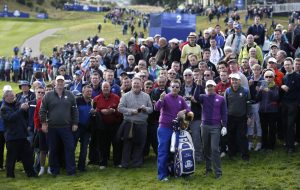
(59, 112)
(131, 101)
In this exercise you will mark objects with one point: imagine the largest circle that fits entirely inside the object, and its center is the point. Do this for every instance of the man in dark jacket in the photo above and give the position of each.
(162, 53)
(59, 118)
(258, 31)
(175, 53)
(15, 135)
(290, 102)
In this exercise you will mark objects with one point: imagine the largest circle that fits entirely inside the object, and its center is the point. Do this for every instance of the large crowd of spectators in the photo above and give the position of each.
(102, 95)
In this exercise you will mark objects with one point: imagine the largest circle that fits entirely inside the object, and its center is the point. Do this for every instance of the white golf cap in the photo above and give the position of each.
(210, 82)
(174, 40)
(150, 39)
(235, 76)
(272, 59)
(60, 77)
(7, 88)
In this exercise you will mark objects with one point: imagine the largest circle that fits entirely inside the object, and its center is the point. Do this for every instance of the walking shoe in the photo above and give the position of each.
(49, 171)
(207, 172)
(165, 179)
(245, 157)
(218, 177)
(223, 154)
(258, 147)
(250, 146)
(42, 171)
(102, 167)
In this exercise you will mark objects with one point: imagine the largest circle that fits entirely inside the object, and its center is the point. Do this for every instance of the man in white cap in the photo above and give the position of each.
(236, 40)
(175, 53)
(214, 117)
(190, 47)
(59, 118)
(236, 97)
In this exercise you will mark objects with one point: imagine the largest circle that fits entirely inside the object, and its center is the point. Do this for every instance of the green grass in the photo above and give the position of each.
(264, 171)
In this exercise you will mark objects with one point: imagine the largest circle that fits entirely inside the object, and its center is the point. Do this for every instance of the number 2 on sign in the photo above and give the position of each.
(178, 19)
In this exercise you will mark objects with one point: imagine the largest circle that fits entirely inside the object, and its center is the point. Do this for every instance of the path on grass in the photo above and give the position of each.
(35, 41)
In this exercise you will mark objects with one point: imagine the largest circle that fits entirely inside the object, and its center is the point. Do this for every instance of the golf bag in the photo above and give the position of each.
(183, 149)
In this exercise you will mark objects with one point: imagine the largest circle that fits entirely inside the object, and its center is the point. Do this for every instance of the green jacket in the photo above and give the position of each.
(244, 53)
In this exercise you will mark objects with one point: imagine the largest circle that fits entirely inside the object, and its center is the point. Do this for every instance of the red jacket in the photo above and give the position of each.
(36, 116)
(220, 88)
(111, 102)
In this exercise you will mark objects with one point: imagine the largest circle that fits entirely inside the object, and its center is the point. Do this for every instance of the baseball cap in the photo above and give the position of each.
(174, 40)
(78, 72)
(24, 83)
(156, 35)
(235, 76)
(273, 44)
(60, 77)
(210, 82)
(150, 39)
(238, 26)
(232, 61)
(230, 21)
(272, 59)
(192, 35)
(7, 88)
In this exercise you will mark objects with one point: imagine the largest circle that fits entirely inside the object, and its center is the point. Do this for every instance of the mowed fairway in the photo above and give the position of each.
(275, 170)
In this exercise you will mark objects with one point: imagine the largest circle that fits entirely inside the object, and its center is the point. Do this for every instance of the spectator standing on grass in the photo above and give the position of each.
(2, 131)
(258, 31)
(15, 135)
(7, 69)
(16, 67)
(59, 117)
(290, 102)
(268, 96)
(135, 105)
(82, 135)
(106, 105)
(236, 98)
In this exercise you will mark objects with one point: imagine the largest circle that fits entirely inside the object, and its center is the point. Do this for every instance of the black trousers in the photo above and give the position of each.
(107, 137)
(268, 126)
(298, 126)
(19, 149)
(94, 154)
(289, 112)
(2, 143)
(237, 135)
(151, 138)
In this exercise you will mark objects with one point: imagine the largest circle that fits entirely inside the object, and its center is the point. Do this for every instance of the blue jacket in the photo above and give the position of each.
(83, 110)
(14, 121)
(268, 100)
(16, 65)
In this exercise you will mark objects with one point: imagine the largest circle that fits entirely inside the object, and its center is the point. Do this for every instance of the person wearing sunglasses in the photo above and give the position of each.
(268, 96)
(170, 105)
(187, 91)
